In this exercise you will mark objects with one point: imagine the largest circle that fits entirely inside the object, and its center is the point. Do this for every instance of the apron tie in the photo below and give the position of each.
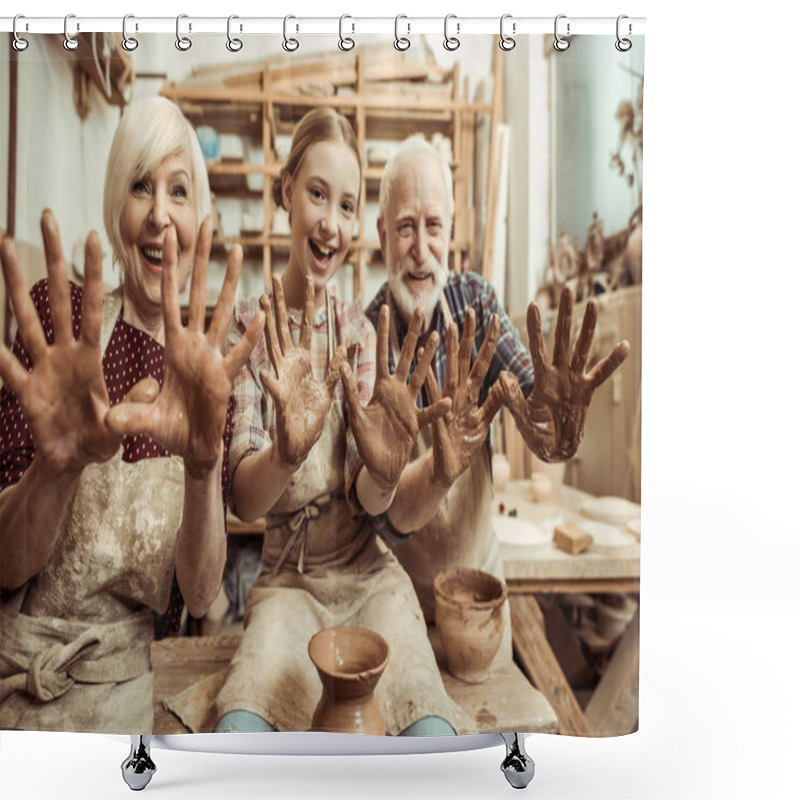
(298, 525)
(47, 676)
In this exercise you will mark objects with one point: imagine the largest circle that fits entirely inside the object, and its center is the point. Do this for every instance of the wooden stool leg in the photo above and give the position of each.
(517, 766)
(138, 768)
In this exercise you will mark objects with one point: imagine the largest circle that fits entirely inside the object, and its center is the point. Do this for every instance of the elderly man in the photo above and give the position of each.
(442, 511)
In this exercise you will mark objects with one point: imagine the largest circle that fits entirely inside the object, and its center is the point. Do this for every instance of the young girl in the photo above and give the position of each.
(294, 458)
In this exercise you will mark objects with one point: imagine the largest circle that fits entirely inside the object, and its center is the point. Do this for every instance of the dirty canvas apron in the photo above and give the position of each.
(321, 567)
(460, 533)
(75, 640)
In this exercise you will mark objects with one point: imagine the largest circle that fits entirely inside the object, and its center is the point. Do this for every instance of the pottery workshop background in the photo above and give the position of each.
(547, 159)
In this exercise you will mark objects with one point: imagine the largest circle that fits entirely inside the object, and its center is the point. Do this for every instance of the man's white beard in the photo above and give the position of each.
(408, 302)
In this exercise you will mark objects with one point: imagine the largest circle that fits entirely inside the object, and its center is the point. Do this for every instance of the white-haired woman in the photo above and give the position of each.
(111, 441)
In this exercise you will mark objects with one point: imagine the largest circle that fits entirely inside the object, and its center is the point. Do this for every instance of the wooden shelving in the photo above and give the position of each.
(385, 96)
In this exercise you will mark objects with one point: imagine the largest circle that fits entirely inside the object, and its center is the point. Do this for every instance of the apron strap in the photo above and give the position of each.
(298, 525)
(112, 305)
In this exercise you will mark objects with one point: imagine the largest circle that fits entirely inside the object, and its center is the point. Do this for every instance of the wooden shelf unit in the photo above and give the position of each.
(383, 95)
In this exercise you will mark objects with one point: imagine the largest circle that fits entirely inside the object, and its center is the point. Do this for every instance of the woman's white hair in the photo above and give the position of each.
(149, 131)
(412, 149)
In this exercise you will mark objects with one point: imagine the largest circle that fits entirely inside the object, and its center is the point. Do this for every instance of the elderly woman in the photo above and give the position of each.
(111, 434)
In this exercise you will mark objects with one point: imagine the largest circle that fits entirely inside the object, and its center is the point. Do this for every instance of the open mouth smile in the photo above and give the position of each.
(152, 257)
(322, 254)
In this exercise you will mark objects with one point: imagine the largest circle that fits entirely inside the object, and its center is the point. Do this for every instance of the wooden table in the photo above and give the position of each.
(506, 702)
(541, 570)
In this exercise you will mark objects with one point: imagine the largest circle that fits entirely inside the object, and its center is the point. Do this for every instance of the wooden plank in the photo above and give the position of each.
(567, 586)
(506, 702)
(541, 666)
(267, 144)
(360, 271)
(614, 707)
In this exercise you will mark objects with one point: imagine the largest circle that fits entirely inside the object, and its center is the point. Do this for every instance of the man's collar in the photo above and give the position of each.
(437, 322)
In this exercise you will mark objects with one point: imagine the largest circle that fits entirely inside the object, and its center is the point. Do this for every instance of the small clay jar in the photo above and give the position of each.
(350, 662)
(469, 618)
(541, 487)
(501, 471)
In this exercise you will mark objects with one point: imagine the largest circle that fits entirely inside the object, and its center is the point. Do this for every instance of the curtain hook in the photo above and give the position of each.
(233, 44)
(70, 42)
(507, 42)
(345, 42)
(401, 42)
(183, 43)
(129, 43)
(560, 43)
(290, 44)
(451, 42)
(19, 43)
(623, 45)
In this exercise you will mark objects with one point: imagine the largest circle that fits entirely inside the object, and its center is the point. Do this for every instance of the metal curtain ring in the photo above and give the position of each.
(400, 42)
(560, 43)
(506, 42)
(70, 42)
(290, 44)
(623, 45)
(233, 44)
(19, 43)
(345, 42)
(183, 43)
(129, 43)
(451, 42)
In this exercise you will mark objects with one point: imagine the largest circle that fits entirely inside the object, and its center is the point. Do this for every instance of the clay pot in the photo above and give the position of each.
(350, 662)
(469, 618)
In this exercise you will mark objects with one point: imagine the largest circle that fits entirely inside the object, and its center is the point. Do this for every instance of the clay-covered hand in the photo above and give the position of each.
(302, 402)
(64, 396)
(459, 434)
(386, 429)
(551, 419)
(188, 416)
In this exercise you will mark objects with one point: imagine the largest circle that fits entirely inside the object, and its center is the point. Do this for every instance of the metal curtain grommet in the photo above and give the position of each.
(623, 45)
(19, 43)
(129, 43)
(506, 42)
(451, 42)
(70, 42)
(560, 43)
(400, 42)
(345, 42)
(290, 44)
(183, 43)
(233, 44)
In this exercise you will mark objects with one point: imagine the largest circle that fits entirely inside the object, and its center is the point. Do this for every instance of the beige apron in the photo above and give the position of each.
(348, 578)
(75, 640)
(461, 533)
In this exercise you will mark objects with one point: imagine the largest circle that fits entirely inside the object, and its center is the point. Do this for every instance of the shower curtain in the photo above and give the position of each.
(494, 586)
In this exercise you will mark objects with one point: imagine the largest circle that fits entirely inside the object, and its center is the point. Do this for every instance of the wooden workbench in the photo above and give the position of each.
(613, 709)
(506, 702)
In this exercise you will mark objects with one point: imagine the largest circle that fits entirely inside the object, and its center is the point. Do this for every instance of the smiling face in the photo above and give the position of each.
(414, 236)
(322, 199)
(156, 201)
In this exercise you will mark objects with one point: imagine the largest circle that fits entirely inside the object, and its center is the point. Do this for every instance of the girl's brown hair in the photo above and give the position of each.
(321, 124)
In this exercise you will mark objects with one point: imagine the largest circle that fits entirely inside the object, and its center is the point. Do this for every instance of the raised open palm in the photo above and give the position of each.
(552, 417)
(302, 402)
(385, 430)
(460, 433)
(64, 396)
(188, 417)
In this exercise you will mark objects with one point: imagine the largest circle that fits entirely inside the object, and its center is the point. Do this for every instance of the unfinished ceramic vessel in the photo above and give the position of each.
(469, 620)
(350, 662)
